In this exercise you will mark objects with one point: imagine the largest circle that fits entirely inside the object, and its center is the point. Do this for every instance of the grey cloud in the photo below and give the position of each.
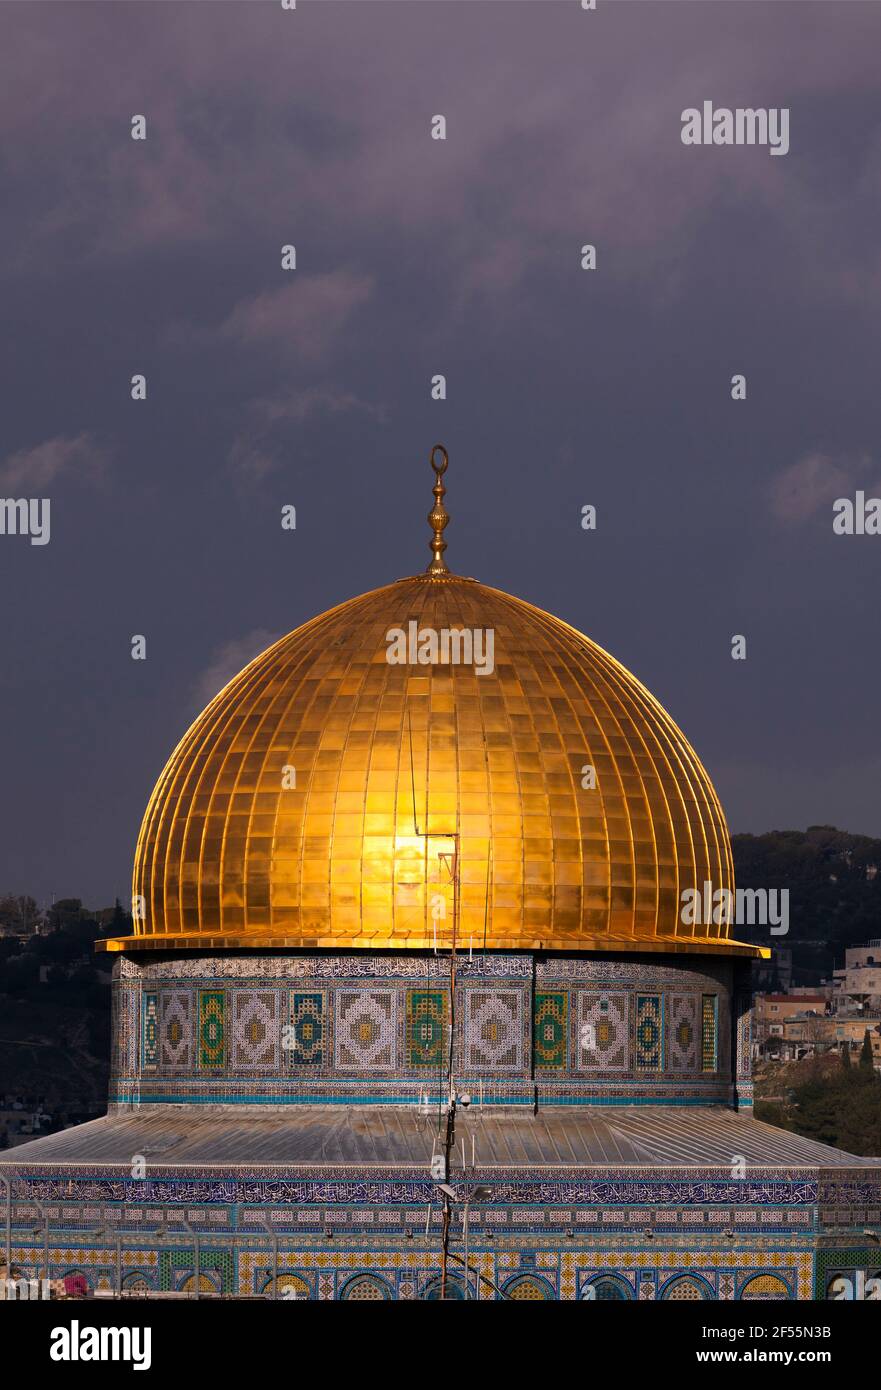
(538, 156)
(35, 469)
(813, 482)
(258, 447)
(226, 662)
(304, 317)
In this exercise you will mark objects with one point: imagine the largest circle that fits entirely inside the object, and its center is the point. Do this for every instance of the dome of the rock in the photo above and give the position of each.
(318, 1091)
(319, 799)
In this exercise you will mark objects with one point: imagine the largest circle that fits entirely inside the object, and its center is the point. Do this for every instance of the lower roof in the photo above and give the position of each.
(383, 1137)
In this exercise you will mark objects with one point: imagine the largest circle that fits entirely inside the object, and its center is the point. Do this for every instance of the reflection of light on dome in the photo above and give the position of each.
(410, 867)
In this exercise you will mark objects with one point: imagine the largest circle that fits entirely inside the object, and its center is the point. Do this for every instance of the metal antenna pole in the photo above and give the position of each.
(450, 1137)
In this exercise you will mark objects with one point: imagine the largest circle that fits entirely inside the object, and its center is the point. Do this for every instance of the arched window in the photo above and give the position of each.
(137, 1282)
(765, 1286)
(290, 1286)
(528, 1286)
(366, 1288)
(455, 1289)
(686, 1287)
(607, 1286)
(208, 1283)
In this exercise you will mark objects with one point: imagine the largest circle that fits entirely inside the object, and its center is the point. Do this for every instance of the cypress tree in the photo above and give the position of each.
(866, 1053)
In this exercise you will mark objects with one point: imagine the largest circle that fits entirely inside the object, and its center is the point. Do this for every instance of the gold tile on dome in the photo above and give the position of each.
(377, 746)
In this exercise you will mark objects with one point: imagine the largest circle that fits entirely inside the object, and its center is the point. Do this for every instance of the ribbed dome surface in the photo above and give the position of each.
(316, 800)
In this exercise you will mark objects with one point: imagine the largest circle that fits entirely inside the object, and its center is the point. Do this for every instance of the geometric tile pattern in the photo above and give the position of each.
(682, 1032)
(726, 1286)
(212, 1028)
(549, 1031)
(744, 1035)
(560, 1272)
(649, 1032)
(709, 1032)
(627, 969)
(683, 1287)
(835, 1264)
(766, 1287)
(176, 1042)
(150, 1035)
(359, 1020)
(127, 1029)
(254, 1029)
(330, 967)
(493, 1030)
(365, 1029)
(307, 1028)
(426, 1020)
(603, 1035)
(176, 1269)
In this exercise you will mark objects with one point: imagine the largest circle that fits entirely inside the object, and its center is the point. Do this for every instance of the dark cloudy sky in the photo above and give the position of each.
(415, 257)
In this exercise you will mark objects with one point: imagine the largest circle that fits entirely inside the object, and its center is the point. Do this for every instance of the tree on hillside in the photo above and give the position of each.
(842, 1108)
(866, 1059)
(833, 883)
(63, 912)
(120, 923)
(18, 915)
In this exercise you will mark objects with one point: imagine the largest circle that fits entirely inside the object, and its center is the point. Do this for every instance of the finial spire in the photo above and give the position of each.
(438, 516)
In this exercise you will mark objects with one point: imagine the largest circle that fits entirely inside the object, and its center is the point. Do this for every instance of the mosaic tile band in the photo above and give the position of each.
(334, 1029)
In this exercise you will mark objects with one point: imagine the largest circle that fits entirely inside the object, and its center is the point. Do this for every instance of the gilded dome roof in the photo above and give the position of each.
(333, 795)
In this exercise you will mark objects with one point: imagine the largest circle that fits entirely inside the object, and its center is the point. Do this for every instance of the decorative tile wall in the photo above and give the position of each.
(603, 1042)
(150, 1037)
(743, 1060)
(544, 1271)
(212, 1028)
(566, 1235)
(364, 1030)
(176, 1038)
(709, 1032)
(426, 1028)
(682, 1031)
(255, 1036)
(494, 1023)
(649, 1032)
(306, 1035)
(569, 1029)
(550, 1030)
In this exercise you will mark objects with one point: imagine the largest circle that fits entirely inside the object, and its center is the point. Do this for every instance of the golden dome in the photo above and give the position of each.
(330, 796)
